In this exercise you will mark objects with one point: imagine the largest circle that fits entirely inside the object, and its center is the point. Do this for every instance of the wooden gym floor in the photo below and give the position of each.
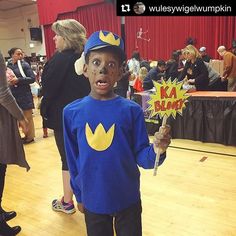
(193, 194)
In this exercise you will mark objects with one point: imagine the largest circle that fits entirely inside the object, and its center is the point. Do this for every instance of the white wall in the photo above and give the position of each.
(14, 30)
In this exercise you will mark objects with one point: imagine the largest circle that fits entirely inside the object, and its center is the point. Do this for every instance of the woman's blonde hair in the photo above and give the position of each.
(142, 72)
(192, 50)
(72, 32)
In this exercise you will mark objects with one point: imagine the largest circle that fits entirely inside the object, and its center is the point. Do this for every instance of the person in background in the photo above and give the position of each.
(172, 66)
(195, 71)
(157, 74)
(205, 56)
(133, 66)
(60, 86)
(146, 64)
(134, 63)
(40, 96)
(233, 49)
(181, 62)
(11, 147)
(138, 84)
(122, 85)
(106, 140)
(20, 88)
(229, 73)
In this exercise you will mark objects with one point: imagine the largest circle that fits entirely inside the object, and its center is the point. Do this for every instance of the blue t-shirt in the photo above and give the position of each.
(105, 142)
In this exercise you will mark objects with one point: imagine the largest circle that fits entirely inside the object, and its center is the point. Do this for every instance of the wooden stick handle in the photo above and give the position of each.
(159, 151)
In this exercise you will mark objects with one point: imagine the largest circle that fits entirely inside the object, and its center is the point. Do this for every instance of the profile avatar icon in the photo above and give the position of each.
(139, 8)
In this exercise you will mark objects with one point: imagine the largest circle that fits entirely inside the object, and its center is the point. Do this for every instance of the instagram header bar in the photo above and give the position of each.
(150, 9)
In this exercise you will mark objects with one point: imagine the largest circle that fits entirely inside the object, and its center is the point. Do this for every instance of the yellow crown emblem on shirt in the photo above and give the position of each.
(109, 38)
(100, 140)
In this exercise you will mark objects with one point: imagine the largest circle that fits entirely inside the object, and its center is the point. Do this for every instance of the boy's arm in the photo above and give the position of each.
(144, 152)
(72, 152)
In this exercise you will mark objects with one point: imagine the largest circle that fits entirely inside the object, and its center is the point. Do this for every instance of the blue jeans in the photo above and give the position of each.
(126, 222)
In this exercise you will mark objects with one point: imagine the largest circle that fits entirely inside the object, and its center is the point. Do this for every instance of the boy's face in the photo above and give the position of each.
(103, 71)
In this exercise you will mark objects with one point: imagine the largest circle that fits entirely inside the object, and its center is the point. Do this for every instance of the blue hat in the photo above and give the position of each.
(103, 38)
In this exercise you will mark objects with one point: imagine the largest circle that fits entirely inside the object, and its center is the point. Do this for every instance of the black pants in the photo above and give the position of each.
(58, 134)
(3, 168)
(126, 223)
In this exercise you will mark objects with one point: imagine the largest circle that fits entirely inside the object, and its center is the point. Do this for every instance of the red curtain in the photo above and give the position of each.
(92, 17)
(96, 17)
(169, 33)
(163, 33)
(49, 43)
(48, 10)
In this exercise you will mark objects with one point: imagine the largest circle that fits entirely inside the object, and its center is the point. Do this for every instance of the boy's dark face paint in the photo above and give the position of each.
(103, 70)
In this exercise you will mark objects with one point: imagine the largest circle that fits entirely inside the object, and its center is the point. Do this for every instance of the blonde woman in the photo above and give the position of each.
(60, 86)
(194, 70)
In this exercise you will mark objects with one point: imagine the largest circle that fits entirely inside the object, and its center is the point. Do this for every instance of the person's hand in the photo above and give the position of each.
(162, 139)
(191, 81)
(80, 207)
(24, 125)
(185, 80)
(189, 71)
(222, 78)
(13, 80)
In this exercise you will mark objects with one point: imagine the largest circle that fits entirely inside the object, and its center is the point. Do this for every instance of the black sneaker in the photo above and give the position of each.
(25, 141)
(8, 215)
(6, 230)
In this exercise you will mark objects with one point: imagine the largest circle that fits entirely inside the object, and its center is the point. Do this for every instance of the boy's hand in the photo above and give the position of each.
(162, 139)
(80, 207)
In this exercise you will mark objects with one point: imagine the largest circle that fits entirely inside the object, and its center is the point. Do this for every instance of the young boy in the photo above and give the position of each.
(106, 141)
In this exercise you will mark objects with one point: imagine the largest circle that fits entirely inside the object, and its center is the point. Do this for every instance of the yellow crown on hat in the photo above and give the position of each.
(109, 38)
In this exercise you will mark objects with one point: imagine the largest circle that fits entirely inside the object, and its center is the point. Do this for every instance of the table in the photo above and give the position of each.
(208, 117)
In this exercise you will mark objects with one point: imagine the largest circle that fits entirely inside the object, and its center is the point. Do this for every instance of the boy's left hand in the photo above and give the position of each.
(162, 139)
